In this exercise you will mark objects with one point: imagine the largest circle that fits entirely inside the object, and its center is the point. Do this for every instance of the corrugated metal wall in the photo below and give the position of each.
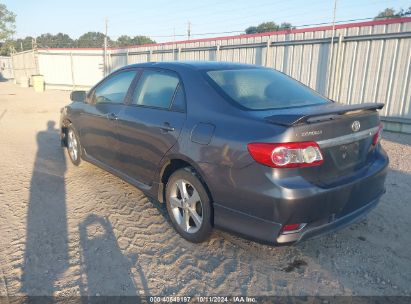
(6, 68)
(74, 69)
(367, 62)
(24, 65)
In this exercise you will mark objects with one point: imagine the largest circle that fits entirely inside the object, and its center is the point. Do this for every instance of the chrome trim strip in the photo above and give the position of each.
(346, 139)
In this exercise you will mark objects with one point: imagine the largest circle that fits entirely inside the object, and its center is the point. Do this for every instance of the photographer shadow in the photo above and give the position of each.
(46, 253)
(107, 275)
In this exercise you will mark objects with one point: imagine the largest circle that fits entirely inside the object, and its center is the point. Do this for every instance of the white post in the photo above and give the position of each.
(72, 71)
(267, 51)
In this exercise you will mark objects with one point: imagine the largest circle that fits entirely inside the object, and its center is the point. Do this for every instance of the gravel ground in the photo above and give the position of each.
(68, 230)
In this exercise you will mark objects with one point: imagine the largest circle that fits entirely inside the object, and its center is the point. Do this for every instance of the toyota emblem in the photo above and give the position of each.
(356, 126)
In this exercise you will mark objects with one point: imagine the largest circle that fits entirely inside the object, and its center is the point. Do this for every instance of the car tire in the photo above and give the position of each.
(189, 205)
(73, 146)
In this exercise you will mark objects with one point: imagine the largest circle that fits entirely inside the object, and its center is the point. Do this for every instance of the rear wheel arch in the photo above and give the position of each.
(173, 164)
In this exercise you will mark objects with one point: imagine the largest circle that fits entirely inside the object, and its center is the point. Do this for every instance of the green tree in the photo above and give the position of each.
(7, 29)
(139, 40)
(262, 28)
(387, 13)
(251, 30)
(59, 40)
(286, 26)
(392, 13)
(126, 40)
(92, 40)
(268, 27)
(123, 40)
(6, 48)
(23, 44)
(7, 23)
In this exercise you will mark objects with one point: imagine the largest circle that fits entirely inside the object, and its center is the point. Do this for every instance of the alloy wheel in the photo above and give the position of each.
(186, 206)
(72, 145)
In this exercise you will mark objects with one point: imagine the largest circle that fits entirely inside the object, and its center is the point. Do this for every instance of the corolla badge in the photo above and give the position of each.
(356, 126)
(311, 133)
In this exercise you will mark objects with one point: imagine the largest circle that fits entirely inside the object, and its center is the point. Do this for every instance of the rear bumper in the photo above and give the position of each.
(313, 230)
(259, 211)
(270, 232)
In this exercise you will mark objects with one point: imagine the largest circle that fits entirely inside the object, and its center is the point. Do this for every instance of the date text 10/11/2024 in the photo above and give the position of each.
(205, 299)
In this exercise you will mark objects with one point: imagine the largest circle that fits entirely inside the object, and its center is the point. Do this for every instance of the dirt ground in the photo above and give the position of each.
(68, 230)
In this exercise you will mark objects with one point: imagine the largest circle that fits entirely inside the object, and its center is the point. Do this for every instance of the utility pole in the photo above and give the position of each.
(188, 30)
(174, 41)
(34, 43)
(105, 49)
(331, 49)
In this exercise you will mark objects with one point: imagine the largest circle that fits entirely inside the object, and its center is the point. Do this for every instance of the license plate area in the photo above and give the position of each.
(348, 155)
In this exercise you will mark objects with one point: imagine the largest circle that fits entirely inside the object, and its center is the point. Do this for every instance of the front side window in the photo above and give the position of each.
(155, 89)
(114, 89)
(263, 89)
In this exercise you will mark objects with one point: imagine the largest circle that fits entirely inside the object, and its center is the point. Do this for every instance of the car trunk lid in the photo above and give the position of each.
(322, 112)
(343, 132)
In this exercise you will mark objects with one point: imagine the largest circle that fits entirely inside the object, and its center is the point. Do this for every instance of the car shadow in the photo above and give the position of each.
(46, 253)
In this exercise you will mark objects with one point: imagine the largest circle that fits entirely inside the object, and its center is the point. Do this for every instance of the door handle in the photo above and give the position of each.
(166, 127)
(111, 116)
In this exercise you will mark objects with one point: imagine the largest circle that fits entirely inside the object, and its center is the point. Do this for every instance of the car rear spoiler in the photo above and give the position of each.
(321, 113)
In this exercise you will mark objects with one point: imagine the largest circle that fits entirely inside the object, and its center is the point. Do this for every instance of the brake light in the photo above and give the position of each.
(377, 137)
(286, 155)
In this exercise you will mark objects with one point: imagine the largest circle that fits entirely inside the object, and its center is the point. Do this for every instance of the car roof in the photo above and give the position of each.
(193, 65)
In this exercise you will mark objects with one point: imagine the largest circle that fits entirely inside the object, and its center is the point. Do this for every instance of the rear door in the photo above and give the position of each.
(97, 132)
(151, 123)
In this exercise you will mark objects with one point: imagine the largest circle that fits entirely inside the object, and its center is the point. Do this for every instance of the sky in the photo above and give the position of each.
(165, 20)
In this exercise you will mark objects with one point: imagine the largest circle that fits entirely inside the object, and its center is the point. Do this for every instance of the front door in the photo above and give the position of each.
(98, 122)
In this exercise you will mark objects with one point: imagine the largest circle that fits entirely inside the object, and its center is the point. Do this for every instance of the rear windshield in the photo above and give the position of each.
(263, 89)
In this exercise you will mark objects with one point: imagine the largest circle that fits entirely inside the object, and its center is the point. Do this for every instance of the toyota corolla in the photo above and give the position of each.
(240, 147)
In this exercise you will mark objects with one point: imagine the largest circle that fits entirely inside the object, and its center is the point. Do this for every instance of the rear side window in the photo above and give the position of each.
(115, 88)
(264, 89)
(155, 89)
(179, 102)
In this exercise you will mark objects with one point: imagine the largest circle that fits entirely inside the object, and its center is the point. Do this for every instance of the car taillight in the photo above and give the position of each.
(377, 137)
(286, 155)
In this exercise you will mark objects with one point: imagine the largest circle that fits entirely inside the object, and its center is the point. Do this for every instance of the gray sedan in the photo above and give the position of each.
(239, 147)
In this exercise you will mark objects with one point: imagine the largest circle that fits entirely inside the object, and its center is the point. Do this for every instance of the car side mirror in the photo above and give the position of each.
(79, 96)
